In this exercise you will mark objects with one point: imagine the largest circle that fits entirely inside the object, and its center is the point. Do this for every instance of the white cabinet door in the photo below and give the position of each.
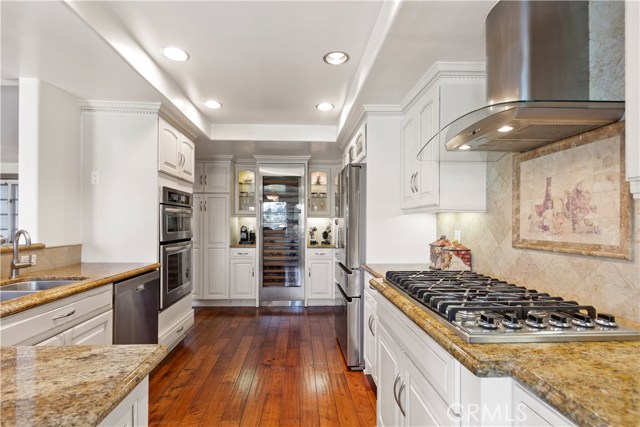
(196, 225)
(428, 172)
(187, 150)
(242, 279)
(95, 331)
(320, 279)
(216, 220)
(530, 411)
(409, 165)
(169, 158)
(423, 406)
(216, 277)
(55, 340)
(389, 371)
(369, 334)
(216, 177)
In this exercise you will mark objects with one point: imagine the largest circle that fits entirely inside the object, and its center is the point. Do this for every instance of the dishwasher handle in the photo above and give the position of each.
(138, 283)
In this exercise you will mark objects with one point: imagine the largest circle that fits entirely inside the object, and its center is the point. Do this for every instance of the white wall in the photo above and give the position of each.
(121, 211)
(392, 237)
(9, 128)
(49, 143)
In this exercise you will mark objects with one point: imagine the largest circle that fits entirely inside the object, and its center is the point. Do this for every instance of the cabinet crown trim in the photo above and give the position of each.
(90, 106)
(439, 70)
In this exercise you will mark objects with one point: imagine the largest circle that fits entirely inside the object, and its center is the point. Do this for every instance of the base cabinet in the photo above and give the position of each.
(420, 384)
(133, 411)
(320, 276)
(243, 274)
(85, 318)
(370, 327)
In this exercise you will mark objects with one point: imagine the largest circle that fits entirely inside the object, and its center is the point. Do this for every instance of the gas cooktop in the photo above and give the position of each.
(485, 310)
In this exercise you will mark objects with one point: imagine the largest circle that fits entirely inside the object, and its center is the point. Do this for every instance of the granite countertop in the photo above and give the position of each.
(70, 385)
(242, 246)
(93, 274)
(591, 383)
(319, 246)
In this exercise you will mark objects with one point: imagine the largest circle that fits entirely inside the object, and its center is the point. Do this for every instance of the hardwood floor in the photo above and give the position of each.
(272, 366)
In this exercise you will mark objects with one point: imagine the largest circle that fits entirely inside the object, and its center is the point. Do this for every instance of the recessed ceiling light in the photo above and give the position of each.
(464, 147)
(505, 128)
(212, 104)
(336, 58)
(175, 53)
(325, 106)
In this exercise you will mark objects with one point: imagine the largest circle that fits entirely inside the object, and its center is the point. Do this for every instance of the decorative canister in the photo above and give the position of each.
(454, 256)
(434, 251)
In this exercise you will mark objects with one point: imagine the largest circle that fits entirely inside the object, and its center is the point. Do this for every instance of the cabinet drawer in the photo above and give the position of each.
(45, 321)
(320, 253)
(176, 331)
(243, 253)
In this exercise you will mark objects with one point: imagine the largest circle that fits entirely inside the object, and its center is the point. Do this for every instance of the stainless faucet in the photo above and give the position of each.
(16, 265)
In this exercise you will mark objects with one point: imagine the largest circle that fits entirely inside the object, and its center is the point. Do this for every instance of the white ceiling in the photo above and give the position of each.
(261, 59)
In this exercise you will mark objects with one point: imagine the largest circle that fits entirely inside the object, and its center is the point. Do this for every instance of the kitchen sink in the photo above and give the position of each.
(37, 285)
(27, 287)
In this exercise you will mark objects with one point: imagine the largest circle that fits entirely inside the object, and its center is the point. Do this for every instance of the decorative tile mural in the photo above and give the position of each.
(572, 196)
(611, 285)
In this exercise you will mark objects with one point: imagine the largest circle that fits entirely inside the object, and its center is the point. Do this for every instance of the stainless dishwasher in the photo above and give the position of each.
(136, 303)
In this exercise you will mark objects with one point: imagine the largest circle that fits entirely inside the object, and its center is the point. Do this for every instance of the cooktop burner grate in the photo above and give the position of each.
(482, 309)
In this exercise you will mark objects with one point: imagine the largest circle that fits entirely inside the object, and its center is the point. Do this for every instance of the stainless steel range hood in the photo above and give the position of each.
(545, 76)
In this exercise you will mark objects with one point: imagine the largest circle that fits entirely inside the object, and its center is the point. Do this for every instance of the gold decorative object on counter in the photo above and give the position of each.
(447, 255)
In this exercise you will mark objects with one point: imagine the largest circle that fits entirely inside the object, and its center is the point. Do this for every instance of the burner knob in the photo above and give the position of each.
(535, 321)
(487, 321)
(582, 320)
(607, 320)
(511, 321)
(560, 320)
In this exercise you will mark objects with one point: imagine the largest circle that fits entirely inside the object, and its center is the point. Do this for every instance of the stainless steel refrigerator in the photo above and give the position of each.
(350, 225)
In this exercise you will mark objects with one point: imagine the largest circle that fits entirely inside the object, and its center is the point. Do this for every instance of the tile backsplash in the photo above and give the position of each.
(47, 258)
(610, 285)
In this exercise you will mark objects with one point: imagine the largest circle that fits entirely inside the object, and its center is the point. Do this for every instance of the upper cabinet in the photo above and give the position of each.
(356, 149)
(175, 152)
(212, 176)
(319, 192)
(442, 181)
(245, 189)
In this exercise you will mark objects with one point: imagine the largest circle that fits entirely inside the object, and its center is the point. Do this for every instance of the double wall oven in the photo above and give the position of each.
(176, 269)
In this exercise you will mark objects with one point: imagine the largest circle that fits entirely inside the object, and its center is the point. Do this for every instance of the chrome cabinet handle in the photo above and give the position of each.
(140, 288)
(252, 272)
(400, 399)
(62, 316)
(200, 205)
(205, 205)
(201, 180)
(371, 319)
(372, 287)
(180, 330)
(395, 385)
(205, 180)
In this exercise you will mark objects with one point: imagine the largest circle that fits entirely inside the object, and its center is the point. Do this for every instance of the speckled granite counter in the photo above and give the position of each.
(93, 275)
(319, 246)
(591, 383)
(242, 246)
(70, 385)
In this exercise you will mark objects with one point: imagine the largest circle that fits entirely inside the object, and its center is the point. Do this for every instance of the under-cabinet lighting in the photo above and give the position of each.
(505, 128)
(464, 147)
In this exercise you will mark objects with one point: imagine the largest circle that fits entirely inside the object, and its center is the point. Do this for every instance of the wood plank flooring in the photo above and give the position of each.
(268, 366)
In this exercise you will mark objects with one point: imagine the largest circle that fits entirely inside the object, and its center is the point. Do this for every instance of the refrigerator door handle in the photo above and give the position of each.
(346, 298)
(345, 269)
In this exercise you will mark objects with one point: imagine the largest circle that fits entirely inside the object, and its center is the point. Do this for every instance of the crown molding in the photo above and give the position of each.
(281, 159)
(121, 107)
(443, 70)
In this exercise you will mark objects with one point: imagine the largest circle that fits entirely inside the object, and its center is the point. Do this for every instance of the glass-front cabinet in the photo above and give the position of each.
(319, 192)
(245, 190)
